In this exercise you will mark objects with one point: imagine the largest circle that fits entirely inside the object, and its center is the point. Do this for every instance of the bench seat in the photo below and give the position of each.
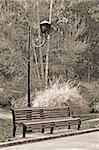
(70, 119)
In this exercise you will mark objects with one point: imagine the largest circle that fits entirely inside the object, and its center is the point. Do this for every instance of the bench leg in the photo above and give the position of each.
(14, 130)
(24, 131)
(51, 130)
(42, 130)
(79, 124)
(69, 126)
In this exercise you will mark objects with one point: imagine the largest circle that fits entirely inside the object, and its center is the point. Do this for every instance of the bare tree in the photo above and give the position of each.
(75, 41)
(40, 51)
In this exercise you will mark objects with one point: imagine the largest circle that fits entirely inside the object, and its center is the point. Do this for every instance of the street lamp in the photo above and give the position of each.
(45, 27)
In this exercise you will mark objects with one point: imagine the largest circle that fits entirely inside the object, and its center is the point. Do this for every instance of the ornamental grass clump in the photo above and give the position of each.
(61, 94)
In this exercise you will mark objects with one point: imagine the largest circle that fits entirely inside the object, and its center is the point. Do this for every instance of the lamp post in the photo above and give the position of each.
(29, 49)
(45, 27)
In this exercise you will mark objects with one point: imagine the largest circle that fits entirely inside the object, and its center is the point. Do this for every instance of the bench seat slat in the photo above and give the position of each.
(50, 121)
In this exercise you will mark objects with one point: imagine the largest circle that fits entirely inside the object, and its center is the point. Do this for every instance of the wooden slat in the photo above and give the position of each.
(50, 121)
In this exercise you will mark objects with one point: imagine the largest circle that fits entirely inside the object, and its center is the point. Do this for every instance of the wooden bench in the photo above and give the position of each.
(42, 118)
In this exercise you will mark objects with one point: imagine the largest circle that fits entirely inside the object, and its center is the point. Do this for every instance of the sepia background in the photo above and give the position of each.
(65, 70)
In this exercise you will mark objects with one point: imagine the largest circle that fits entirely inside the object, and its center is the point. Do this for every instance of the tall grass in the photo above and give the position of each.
(59, 94)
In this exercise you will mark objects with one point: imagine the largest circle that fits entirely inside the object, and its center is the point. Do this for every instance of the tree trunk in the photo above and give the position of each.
(37, 69)
(89, 72)
(47, 60)
(40, 51)
(89, 76)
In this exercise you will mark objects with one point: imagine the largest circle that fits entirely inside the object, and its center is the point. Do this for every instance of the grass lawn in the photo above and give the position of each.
(5, 124)
(5, 129)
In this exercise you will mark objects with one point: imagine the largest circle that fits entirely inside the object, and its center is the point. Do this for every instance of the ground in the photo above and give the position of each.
(89, 141)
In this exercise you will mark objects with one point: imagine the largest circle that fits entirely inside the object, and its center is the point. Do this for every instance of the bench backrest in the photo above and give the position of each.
(56, 112)
(25, 114)
(39, 113)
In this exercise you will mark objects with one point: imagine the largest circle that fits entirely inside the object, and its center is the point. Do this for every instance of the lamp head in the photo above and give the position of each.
(45, 26)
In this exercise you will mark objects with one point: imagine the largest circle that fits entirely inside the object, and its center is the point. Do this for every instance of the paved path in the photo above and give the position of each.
(89, 141)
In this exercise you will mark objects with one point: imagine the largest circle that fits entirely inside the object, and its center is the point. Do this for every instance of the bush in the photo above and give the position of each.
(5, 103)
(60, 94)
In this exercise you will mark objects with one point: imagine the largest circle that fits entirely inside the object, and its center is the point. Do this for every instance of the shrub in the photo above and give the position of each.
(60, 94)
